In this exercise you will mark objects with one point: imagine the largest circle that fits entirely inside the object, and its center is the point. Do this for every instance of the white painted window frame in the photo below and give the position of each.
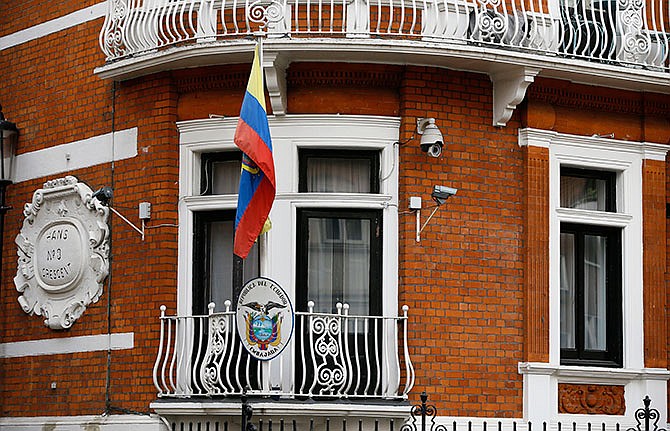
(541, 379)
(289, 134)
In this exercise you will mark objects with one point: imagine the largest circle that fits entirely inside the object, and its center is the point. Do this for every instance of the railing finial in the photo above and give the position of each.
(647, 416)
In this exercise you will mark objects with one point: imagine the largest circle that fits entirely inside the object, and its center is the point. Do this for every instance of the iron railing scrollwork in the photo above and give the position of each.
(633, 33)
(424, 412)
(645, 417)
(335, 355)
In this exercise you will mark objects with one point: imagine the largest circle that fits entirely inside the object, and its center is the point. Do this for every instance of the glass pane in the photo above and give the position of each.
(221, 263)
(567, 291)
(583, 193)
(338, 175)
(595, 299)
(225, 177)
(338, 266)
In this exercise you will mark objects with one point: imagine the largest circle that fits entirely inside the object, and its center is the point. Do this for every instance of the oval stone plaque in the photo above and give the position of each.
(63, 252)
(59, 253)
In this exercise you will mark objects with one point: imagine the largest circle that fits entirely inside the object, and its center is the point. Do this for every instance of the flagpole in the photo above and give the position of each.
(238, 262)
(238, 277)
(257, 92)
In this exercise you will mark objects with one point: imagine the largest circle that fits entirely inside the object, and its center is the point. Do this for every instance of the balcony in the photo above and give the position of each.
(334, 356)
(621, 44)
(626, 32)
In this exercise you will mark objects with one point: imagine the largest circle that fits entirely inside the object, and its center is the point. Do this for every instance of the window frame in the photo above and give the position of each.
(305, 154)
(612, 356)
(201, 287)
(375, 292)
(625, 158)
(206, 171)
(291, 134)
(551, 150)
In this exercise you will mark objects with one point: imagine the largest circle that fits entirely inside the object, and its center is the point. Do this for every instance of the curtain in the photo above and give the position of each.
(583, 193)
(225, 177)
(339, 263)
(331, 175)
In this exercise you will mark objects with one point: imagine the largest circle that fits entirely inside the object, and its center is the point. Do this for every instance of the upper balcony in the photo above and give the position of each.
(619, 43)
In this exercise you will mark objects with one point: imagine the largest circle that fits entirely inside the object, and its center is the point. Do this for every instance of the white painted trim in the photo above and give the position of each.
(100, 423)
(54, 26)
(593, 375)
(59, 346)
(546, 138)
(76, 155)
(572, 215)
(289, 134)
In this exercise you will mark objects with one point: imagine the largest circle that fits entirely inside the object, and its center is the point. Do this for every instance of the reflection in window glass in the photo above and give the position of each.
(583, 193)
(595, 298)
(338, 268)
(567, 291)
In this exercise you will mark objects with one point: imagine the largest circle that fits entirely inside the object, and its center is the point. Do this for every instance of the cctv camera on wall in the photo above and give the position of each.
(431, 137)
(441, 193)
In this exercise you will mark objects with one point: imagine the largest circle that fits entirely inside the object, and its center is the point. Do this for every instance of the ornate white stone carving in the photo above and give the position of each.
(509, 89)
(63, 250)
(275, 80)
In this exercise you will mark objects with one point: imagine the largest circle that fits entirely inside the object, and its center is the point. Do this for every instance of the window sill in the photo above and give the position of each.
(595, 375)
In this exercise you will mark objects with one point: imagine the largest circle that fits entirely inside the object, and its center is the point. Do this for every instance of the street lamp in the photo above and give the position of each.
(9, 134)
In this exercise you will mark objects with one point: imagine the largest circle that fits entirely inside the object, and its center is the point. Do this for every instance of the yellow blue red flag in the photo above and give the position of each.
(257, 178)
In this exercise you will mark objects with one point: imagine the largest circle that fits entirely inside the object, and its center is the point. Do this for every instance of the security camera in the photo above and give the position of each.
(104, 195)
(433, 150)
(442, 193)
(431, 137)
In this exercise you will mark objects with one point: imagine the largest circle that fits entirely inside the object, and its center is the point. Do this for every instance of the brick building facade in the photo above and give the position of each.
(486, 334)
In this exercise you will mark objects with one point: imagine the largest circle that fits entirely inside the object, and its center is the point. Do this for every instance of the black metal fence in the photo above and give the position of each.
(422, 417)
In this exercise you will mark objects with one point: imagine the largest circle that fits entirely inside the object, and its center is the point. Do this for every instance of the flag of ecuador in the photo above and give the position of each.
(257, 178)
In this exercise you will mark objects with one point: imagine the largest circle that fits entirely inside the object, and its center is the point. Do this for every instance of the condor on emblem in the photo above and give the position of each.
(264, 318)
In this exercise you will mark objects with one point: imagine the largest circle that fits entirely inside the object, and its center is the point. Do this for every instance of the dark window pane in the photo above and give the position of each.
(567, 291)
(595, 292)
(339, 260)
(588, 189)
(338, 270)
(213, 260)
(590, 294)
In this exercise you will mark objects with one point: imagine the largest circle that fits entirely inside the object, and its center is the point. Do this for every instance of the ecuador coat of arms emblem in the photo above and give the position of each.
(264, 318)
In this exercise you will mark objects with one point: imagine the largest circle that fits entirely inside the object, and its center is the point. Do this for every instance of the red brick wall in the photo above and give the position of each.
(464, 280)
(467, 281)
(22, 15)
(50, 92)
(654, 237)
(536, 258)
